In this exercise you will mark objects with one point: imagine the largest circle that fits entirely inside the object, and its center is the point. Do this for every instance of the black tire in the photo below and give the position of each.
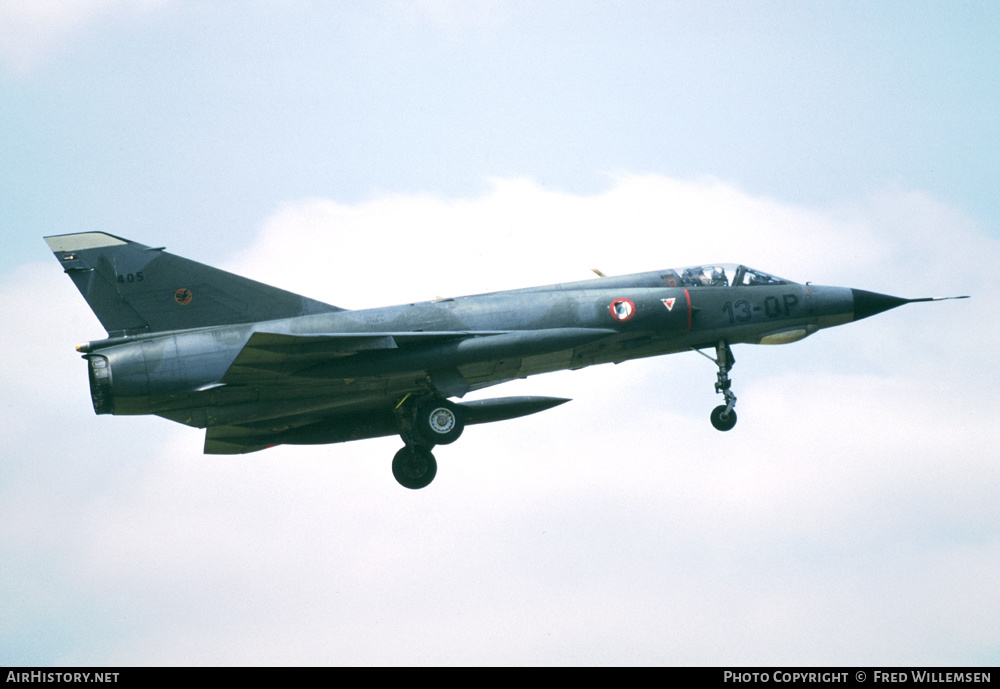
(721, 420)
(439, 422)
(414, 467)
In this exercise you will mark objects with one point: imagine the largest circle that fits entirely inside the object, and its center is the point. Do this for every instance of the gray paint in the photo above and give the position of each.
(258, 366)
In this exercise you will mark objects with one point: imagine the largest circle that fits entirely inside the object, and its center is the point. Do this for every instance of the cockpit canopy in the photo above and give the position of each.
(721, 275)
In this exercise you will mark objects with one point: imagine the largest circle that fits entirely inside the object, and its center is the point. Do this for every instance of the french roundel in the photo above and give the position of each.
(622, 309)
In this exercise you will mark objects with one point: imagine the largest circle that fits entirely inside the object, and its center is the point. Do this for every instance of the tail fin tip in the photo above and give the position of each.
(68, 243)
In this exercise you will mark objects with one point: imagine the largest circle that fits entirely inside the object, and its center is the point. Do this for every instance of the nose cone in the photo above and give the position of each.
(870, 303)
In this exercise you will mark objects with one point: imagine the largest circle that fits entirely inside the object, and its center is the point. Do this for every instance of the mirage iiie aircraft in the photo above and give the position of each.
(257, 366)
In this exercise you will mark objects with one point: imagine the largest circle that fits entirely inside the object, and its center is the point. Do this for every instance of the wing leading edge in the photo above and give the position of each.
(273, 358)
(377, 370)
(277, 358)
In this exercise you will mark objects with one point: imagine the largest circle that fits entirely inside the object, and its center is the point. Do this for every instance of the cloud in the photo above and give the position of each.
(33, 30)
(849, 519)
(519, 233)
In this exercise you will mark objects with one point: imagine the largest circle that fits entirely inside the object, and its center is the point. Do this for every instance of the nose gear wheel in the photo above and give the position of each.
(723, 420)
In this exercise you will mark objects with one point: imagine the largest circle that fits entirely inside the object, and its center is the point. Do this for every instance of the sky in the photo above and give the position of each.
(373, 153)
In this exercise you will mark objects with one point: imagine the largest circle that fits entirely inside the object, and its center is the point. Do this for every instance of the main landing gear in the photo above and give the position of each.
(422, 425)
(724, 416)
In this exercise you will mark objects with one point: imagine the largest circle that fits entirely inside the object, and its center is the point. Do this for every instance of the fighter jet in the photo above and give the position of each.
(257, 366)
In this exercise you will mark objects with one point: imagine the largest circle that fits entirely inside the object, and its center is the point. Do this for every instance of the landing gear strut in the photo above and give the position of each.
(422, 425)
(724, 416)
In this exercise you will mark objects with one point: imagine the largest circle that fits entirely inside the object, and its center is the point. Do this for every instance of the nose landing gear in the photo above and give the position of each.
(724, 416)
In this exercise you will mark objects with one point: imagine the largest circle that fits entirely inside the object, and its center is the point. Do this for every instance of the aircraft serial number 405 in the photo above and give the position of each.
(258, 366)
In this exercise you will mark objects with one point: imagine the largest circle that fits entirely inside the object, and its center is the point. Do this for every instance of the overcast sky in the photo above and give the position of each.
(373, 153)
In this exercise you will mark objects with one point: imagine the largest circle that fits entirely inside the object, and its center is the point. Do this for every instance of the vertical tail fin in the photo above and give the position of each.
(133, 288)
